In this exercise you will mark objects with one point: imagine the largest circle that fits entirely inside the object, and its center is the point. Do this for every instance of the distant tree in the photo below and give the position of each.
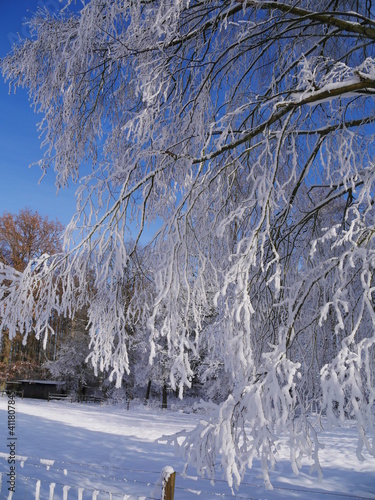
(245, 130)
(24, 237)
(70, 361)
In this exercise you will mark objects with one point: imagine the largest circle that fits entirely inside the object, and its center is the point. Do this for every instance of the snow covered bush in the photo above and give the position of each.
(242, 133)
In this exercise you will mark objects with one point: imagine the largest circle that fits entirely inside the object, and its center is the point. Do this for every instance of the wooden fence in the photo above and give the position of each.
(168, 483)
(164, 488)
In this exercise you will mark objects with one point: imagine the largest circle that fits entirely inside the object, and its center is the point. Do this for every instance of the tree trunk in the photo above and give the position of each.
(148, 391)
(164, 403)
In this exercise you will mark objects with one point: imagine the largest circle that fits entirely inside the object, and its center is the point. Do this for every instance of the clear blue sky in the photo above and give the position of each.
(19, 142)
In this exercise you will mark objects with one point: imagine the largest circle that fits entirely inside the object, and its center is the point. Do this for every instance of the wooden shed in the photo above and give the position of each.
(39, 389)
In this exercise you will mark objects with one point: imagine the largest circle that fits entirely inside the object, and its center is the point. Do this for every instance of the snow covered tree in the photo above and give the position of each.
(243, 130)
(70, 360)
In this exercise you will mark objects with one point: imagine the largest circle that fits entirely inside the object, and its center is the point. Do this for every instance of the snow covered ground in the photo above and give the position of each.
(87, 451)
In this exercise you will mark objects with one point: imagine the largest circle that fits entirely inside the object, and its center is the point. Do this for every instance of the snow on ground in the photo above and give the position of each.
(87, 451)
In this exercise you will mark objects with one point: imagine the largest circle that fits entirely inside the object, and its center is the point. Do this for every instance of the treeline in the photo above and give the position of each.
(23, 237)
(63, 353)
(66, 353)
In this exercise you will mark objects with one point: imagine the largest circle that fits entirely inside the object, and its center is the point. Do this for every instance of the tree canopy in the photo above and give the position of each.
(243, 130)
(24, 236)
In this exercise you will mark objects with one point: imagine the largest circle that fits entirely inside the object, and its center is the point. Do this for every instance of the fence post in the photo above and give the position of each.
(169, 479)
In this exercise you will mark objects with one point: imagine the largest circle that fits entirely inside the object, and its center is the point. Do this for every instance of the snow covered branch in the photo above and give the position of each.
(240, 134)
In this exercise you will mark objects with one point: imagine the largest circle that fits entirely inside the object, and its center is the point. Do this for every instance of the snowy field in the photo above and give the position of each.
(86, 451)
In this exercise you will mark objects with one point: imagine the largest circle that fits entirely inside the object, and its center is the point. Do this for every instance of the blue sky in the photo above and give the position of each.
(19, 142)
(20, 145)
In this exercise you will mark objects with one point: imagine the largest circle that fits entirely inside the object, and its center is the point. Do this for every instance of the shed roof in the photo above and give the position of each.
(44, 382)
